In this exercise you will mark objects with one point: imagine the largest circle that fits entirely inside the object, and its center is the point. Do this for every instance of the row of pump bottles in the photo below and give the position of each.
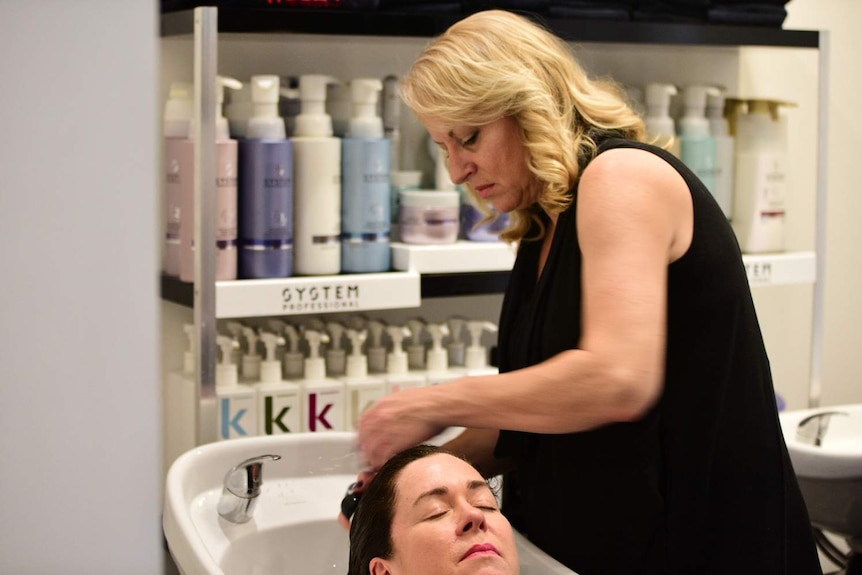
(737, 147)
(315, 376)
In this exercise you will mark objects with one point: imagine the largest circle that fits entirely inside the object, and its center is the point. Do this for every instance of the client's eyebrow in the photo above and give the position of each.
(472, 485)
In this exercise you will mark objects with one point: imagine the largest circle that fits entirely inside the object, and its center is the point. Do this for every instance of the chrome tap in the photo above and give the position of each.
(813, 428)
(241, 489)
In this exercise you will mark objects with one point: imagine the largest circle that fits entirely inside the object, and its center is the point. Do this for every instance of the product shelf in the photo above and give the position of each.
(342, 22)
(406, 289)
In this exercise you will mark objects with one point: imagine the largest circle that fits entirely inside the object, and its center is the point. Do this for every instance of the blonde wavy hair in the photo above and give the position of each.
(495, 64)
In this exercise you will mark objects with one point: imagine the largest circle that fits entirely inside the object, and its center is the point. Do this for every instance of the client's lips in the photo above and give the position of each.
(484, 191)
(482, 549)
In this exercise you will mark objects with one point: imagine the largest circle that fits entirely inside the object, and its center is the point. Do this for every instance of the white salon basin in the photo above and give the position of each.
(828, 464)
(294, 529)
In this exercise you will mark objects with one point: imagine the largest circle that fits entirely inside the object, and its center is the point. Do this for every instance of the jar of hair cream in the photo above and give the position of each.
(429, 216)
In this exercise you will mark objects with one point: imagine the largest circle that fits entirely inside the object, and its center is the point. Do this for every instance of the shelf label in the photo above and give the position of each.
(780, 269)
(314, 295)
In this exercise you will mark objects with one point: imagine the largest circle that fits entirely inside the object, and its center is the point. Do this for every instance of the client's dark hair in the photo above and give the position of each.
(371, 528)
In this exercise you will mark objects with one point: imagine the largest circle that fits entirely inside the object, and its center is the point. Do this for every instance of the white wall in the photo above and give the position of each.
(79, 395)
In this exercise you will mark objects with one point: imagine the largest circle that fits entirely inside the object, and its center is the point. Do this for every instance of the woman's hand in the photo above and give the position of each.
(394, 423)
(351, 498)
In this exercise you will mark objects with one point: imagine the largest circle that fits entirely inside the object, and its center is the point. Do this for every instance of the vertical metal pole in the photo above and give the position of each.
(206, 55)
(815, 389)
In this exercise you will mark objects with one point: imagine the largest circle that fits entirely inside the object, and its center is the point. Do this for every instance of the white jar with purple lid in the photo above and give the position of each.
(429, 216)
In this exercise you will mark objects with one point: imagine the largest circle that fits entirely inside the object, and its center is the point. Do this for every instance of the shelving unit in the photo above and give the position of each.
(213, 300)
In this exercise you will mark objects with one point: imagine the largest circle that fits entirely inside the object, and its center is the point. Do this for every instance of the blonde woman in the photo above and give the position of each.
(634, 412)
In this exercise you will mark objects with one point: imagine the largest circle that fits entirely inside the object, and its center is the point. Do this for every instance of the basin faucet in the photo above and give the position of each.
(813, 428)
(241, 489)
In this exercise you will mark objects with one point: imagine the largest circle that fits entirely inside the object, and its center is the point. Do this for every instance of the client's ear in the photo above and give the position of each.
(379, 566)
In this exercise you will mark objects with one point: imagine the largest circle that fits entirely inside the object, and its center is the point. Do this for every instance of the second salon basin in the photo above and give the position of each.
(825, 446)
(293, 527)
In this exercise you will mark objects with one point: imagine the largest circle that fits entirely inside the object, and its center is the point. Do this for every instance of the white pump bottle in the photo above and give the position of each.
(725, 150)
(398, 376)
(696, 142)
(659, 124)
(179, 172)
(477, 354)
(278, 402)
(236, 405)
(361, 390)
(437, 359)
(317, 183)
(323, 406)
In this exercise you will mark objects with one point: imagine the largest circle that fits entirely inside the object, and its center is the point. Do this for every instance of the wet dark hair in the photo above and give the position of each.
(371, 528)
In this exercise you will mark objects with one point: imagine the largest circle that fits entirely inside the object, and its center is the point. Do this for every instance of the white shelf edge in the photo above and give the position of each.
(774, 269)
(318, 294)
(459, 257)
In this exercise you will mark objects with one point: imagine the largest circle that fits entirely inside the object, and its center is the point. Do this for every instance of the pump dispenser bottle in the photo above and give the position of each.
(365, 203)
(336, 356)
(660, 126)
(266, 188)
(398, 375)
(457, 348)
(278, 401)
(477, 354)
(322, 398)
(761, 177)
(361, 390)
(317, 184)
(390, 110)
(236, 405)
(180, 433)
(725, 149)
(227, 165)
(437, 358)
(697, 144)
(293, 358)
(416, 349)
(376, 351)
(251, 359)
(179, 153)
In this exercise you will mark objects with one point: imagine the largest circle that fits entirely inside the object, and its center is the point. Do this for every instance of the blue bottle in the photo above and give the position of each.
(265, 188)
(365, 186)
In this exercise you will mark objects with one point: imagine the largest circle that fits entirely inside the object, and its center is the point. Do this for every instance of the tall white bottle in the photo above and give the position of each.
(180, 425)
(361, 390)
(398, 375)
(437, 357)
(375, 350)
(316, 184)
(179, 171)
(365, 201)
(761, 177)
(696, 143)
(390, 110)
(725, 150)
(323, 405)
(236, 404)
(660, 126)
(477, 354)
(279, 403)
(251, 359)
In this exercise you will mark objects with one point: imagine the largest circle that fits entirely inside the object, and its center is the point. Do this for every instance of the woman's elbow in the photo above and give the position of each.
(636, 393)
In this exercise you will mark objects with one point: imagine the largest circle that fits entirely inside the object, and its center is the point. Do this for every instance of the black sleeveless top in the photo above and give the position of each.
(703, 484)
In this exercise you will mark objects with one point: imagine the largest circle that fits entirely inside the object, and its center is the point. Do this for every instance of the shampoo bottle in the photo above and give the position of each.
(239, 110)
(180, 431)
(294, 360)
(437, 359)
(179, 171)
(696, 143)
(761, 177)
(361, 390)
(398, 375)
(416, 349)
(265, 188)
(365, 202)
(278, 401)
(725, 150)
(456, 347)
(477, 354)
(317, 185)
(226, 200)
(322, 398)
(336, 356)
(660, 126)
(236, 404)
(251, 359)
(376, 351)
(390, 110)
